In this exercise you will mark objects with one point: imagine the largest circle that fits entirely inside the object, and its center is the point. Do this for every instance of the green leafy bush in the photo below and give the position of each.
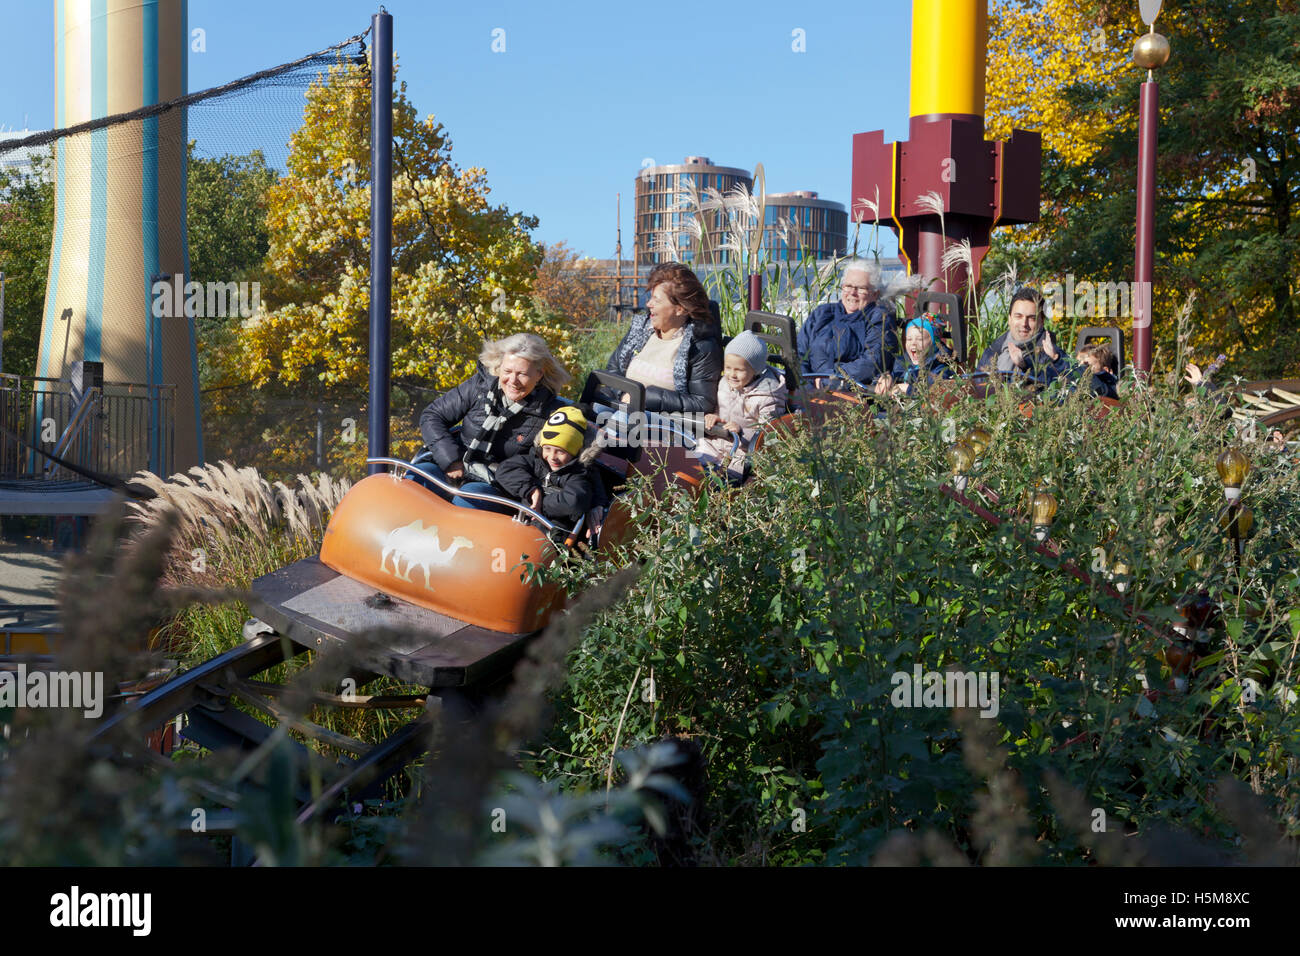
(768, 625)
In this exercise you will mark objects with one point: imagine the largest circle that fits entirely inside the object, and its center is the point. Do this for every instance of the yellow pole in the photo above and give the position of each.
(948, 42)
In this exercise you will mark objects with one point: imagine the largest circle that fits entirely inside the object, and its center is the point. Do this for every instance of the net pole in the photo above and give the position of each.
(381, 224)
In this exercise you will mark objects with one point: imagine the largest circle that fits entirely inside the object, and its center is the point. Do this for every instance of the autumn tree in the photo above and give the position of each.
(462, 268)
(567, 284)
(1228, 178)
(226, 199)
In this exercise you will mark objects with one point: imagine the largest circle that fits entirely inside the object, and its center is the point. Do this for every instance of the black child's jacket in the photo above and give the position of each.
(567, 494)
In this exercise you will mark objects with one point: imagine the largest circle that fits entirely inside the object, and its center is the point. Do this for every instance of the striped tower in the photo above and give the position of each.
(120, 206)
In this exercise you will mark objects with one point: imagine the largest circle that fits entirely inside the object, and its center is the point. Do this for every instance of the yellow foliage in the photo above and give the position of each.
(462, 269)
(1038, 49)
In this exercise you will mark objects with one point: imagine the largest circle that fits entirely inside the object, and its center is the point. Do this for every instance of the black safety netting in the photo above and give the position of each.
(236, 142)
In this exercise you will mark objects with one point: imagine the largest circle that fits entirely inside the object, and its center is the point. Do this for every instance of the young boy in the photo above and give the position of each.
(923, 358)
(750, 392)
(1100, 361)
(550, 477)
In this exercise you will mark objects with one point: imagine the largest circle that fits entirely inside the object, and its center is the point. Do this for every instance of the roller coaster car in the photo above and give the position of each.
(448, 582)
(674, 462)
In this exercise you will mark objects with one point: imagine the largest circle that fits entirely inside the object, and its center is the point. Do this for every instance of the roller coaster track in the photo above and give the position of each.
(1268, 402)
(204, 695)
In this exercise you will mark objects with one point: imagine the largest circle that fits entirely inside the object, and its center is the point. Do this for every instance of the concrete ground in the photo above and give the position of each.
(28, 573)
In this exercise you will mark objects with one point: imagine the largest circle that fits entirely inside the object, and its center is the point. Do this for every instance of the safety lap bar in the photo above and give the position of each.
(473, 495)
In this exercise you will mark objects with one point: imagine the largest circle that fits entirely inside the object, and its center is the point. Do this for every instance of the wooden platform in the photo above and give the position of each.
(322, 609)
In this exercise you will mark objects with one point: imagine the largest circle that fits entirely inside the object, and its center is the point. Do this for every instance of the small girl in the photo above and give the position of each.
(552, 477)
(924, 358)
(749, 393)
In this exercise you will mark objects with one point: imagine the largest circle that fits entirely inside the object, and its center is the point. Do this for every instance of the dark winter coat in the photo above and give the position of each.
(862, 343)
(936, 366)
(1037, 364)
(464, 404)
(696, 367)
(567, 493)
(1104, 383)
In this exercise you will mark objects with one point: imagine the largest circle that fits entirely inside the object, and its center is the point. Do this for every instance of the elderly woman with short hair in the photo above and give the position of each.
(854, 337)
(500, 410)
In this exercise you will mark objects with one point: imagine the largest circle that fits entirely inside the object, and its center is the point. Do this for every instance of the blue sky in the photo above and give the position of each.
(584, 92)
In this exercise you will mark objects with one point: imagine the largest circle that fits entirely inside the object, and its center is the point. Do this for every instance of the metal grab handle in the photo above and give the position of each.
(472, 495)
(658, 423)
(550, 526)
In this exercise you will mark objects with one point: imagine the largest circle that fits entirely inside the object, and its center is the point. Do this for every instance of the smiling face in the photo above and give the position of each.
(1022, 323)
(665, 317)
(856, 291)
(737, 371)
(917, 343)
(555, 456)
(518, 377)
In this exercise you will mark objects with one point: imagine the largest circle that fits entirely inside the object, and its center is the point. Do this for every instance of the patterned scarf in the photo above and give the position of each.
(497, 411)
(640, 334)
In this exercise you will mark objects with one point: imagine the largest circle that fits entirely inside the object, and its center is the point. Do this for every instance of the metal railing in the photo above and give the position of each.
(115, 429)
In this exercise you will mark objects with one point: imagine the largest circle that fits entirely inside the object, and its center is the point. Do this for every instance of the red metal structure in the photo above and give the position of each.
(979, 184)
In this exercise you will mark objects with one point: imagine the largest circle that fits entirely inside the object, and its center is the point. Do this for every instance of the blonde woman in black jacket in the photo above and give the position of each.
(500, 409)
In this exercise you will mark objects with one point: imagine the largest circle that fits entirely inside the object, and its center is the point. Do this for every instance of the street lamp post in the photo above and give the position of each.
(1150, 52)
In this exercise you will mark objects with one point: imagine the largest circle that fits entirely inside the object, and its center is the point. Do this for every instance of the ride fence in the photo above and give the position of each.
(107, 429)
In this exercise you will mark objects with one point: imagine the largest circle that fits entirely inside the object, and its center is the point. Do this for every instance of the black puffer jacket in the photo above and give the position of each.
(696, 374)
(464, 404)
(567, 493)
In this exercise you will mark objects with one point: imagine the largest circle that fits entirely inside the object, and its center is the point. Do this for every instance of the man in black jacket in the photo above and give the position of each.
(1027, 346)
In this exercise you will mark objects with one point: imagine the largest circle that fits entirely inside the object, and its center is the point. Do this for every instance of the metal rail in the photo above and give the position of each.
(451, 489)
(181, 693)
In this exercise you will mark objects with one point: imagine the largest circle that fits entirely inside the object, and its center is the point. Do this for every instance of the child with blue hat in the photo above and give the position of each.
(924, 357)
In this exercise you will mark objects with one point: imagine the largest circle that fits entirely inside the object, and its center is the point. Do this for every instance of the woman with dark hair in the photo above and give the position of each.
(676, 350)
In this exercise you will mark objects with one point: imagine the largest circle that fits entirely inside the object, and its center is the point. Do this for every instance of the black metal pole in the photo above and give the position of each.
(381, 225)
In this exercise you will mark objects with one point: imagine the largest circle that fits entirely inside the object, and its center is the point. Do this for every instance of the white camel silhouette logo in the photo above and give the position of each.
(418, 545)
